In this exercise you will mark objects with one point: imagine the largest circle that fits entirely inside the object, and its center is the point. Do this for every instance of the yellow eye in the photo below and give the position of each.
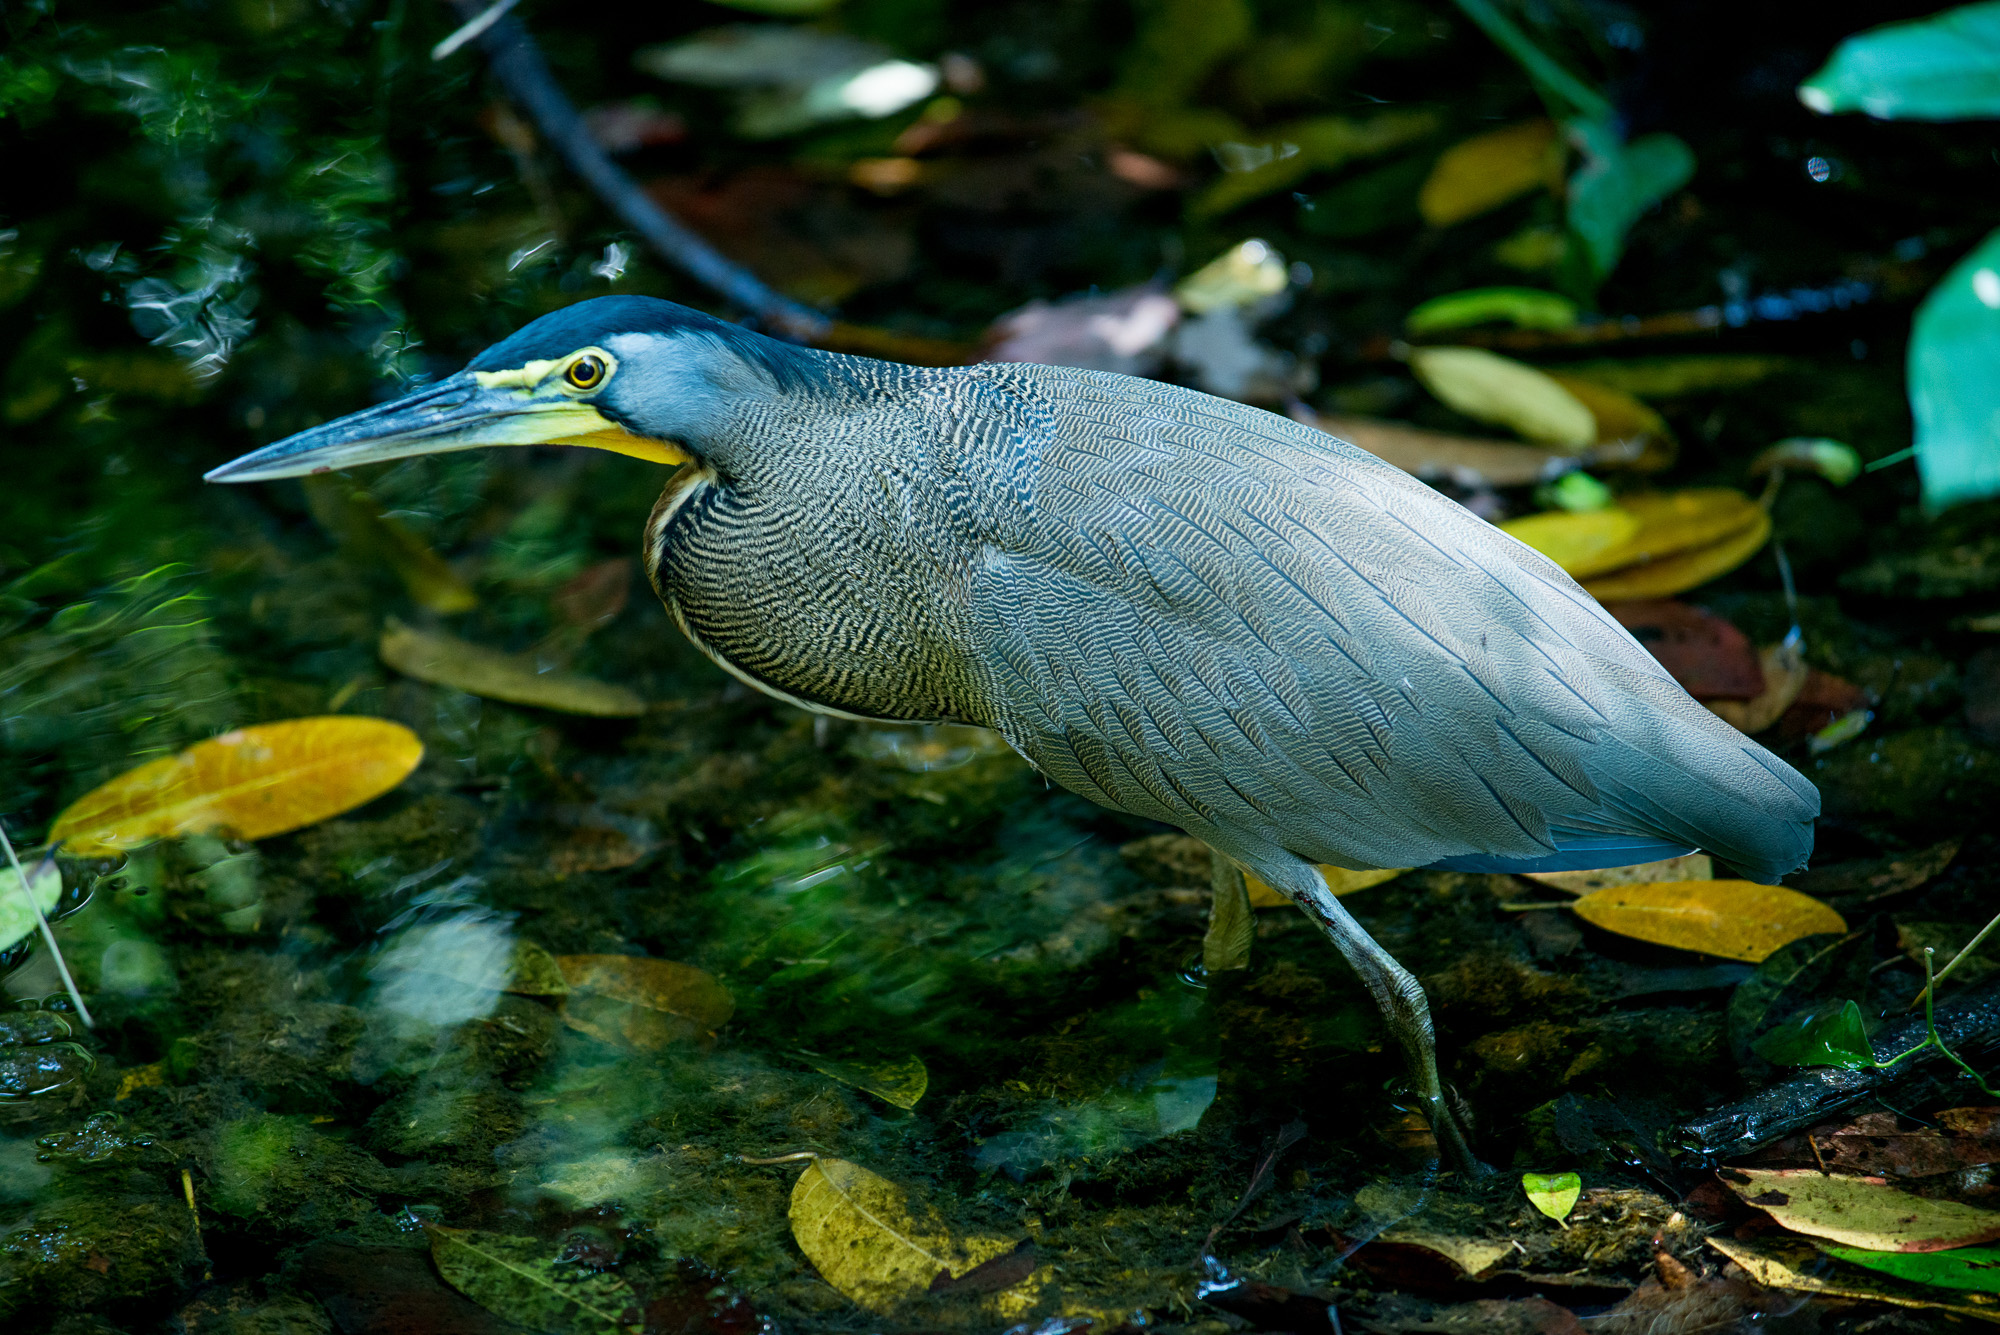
(585, 372)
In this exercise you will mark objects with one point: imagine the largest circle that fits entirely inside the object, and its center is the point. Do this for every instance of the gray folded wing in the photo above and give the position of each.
(1229, 622)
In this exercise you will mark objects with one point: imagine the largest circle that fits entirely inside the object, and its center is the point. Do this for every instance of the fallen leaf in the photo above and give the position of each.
(1738, 920)
(901, 1083)
(872, 1243)
(17, 918)
(1829, 459)
(1488, 170)
(1674, 522)
(520, 1279)
(641, 1003)
(1117, 331)
(1709, 657)
(1823, 701)
(447, 660)
(251, 784)
(1582, 542)
(1862, 1212)
(1878, 878)
(1554, 1194)
(1473, 1256)
(353, 517)
(1790, 1263)
(1973, 1268)
(595, 594)
(1676, 377)
(1785, 672)
(1522, 307)
(1689, 867)
(1687, 570)
(1875, 1145)
(1339, 880)
(534, 972)
(1290, 152)
(1948, 939)
(1468, 461)
(1247, 272)
(1623, 420)
(1496, 389)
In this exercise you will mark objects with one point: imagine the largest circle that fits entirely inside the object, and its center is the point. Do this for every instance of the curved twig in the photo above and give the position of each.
(518, 64)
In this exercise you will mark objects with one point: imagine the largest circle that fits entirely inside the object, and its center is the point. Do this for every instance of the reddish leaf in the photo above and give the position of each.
(1709, 657)
(1820, 701)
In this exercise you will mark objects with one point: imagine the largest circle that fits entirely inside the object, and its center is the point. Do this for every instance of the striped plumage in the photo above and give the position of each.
(1173, 604)
(1201, 613)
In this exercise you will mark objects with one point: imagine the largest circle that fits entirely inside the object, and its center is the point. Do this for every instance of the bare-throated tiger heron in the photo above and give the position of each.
(1176, 605)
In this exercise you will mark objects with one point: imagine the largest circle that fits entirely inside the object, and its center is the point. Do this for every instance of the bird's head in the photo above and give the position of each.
(633, 375)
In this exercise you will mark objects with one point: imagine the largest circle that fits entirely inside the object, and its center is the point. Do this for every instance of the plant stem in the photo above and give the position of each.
(62, 965)
(1541, 67)
(1945, 972)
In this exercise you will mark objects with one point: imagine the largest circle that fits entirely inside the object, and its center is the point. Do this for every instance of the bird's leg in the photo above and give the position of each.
(1396, 991)
(1231, 921)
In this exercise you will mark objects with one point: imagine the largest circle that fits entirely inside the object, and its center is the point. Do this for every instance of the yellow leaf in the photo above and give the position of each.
(1554, 1194)
(251, 783)
(1781, 1261)
(1680, 521)
(1693, 867)
(1488, 170)
(867, 1239)
(1338, 879)
(1623, 420)
(449, 661)
(151, 1076)
(641, 1003)
(1505, 392)
(1737, 920)
(901, 1083)
(1863, 1211)
(1576, 541)
(354, 518)
(1686, 569)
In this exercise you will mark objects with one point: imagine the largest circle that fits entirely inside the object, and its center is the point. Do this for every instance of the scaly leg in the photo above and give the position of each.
(1398, 994)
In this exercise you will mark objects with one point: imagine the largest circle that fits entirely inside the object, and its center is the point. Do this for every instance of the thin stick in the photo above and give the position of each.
(517, 63)
(472, 28)
(1945, 972)
(62, 966)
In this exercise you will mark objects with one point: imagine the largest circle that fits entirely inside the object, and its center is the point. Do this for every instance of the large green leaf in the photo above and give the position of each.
(1975, 1268)
(1616, 184)
(1954, 374)
(1943, 68)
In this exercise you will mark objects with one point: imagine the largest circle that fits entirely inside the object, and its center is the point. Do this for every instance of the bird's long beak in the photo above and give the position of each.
(466, 412)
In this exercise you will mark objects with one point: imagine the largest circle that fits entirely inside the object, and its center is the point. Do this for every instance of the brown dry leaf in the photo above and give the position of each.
(1466, 460)
(1863, 1211)
(1878, 878)
(1875, 1145)
(1737, 920)
(447, 660)
(641, 1003)
(1709, 657)
(1790, 1263)
(871, 1242)
(1785, 674)
(1488, 170)
(1338, 879)
(1692, 867)
(1686, 570)
(1491, 388)
(251, 783)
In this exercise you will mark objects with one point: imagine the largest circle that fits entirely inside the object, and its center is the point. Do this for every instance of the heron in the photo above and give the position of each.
(1176, 605)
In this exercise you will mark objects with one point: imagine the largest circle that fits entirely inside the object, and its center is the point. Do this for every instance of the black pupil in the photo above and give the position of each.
(585, 372)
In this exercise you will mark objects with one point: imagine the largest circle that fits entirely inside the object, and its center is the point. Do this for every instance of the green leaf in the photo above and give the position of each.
(1616, 184)
(1974, 1268)
(1820, 1037)
(1554, 1194)
(519, 1278)
(1524, 307)
(17, 920)
(1954, 374)
(1794, 975)
(1943, 68)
